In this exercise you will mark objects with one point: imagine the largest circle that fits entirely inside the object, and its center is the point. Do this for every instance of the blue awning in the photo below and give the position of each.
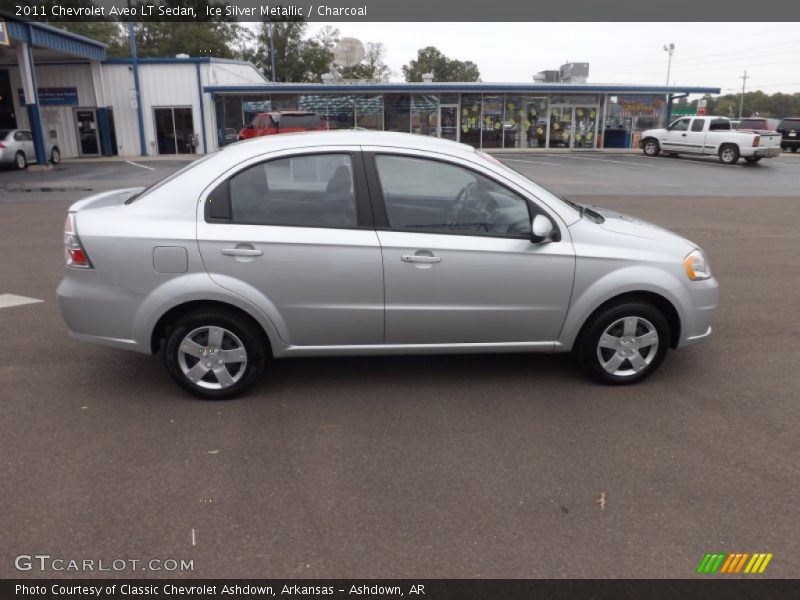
(40, 35)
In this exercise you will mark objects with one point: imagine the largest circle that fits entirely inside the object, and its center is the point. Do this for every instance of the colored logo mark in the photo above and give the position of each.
(740, 562)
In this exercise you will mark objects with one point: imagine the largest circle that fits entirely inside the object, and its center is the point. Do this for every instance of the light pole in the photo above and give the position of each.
(669, 50)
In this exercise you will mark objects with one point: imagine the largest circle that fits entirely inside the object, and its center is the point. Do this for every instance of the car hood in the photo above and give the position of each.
(628, 225)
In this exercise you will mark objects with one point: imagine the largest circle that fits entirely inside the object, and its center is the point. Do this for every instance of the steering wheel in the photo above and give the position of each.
(468, 208)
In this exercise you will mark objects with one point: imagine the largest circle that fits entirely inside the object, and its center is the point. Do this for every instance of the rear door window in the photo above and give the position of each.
(300, 191)
(697, 125)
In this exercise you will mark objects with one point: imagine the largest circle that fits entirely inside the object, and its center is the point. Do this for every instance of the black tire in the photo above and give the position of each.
(729, 154)
(244, 330)
(588, 353)
(20, 161)
(752, 159)
(55, 156)
(793, 149)
(651, 147)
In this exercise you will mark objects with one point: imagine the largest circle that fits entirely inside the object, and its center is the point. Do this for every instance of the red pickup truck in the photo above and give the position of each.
(271, 123)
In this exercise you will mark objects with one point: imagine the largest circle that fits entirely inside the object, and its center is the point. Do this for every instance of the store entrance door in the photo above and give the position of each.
(573, 127)
(448, 121)
(175, 130)
(86, 128)
(584, 119)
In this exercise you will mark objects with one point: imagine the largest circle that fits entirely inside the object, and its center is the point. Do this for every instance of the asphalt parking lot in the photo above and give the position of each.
(434, 466)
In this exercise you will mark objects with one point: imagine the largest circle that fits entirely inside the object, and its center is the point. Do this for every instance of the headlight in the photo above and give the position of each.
(696, 266)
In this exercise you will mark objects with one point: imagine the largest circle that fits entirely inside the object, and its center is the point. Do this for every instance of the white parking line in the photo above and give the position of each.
(130, 162)
(533, 162)
(9, 300)
(619, 162)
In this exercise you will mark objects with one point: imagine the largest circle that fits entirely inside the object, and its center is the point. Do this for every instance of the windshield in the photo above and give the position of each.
(168, 178)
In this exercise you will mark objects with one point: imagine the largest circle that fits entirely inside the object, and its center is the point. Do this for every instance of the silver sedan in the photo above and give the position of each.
(365, 243)
(16, 148)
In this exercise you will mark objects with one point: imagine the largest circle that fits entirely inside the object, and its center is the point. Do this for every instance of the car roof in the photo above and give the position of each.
(347, 137)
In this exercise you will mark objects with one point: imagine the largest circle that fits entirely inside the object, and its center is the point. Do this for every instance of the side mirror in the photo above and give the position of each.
(541, 229)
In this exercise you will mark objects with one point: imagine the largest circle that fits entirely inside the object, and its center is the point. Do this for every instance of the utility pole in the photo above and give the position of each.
(669, 50)
(741, 100)
(272, 49)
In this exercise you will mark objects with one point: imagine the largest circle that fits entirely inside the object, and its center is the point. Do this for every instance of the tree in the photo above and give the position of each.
(431, 60)
(204, 36)
(371, 67)
(296, 59)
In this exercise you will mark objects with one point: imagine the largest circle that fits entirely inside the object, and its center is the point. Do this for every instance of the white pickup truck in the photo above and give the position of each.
(711, 135)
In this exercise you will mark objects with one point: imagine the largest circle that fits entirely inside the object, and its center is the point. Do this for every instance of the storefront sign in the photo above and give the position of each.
(66, 96)
(640, 106)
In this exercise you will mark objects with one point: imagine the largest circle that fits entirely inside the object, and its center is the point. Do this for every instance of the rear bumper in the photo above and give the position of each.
(96, 312)
(767, 152)
(790, 142)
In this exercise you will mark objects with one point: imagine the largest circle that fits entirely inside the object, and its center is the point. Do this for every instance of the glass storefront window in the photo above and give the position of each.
(560, 127)
(285, 102)
(425, 114)
(397, 112)
(471, 119)
(525, 121)
(628, 116)
(341, 112)
(575, 99)
(448, 98)
(316, 103)
(492, 121)
(252, 105)
(369, 111)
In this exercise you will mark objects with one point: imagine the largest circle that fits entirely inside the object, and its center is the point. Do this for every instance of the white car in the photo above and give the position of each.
(711, 136)
(16, 148)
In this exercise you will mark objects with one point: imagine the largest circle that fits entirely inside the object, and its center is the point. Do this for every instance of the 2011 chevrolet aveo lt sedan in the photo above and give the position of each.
(358, 243)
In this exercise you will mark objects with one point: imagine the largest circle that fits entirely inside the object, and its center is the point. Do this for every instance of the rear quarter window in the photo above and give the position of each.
(720, 125)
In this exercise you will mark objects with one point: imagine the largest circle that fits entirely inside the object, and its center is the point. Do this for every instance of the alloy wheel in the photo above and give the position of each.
(212, 357)
(627, 346)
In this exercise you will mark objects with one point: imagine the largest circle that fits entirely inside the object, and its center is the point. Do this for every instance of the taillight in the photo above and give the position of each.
(2, 146)
(756, 141)
(74, 253)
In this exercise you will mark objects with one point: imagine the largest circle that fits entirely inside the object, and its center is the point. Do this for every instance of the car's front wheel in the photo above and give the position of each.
(214, 355)
(55, 156)
(623, 343)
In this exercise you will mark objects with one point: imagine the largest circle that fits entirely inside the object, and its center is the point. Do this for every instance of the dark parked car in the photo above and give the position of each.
(789, 128)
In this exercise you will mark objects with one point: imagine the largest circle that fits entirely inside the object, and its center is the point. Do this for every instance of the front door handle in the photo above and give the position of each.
(683, 134)
(241, 252)
(420, 258)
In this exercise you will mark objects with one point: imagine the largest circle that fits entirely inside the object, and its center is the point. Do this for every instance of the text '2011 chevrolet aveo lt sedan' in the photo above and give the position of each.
(348, 243)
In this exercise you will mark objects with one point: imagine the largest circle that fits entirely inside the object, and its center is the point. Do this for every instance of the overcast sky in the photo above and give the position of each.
(709, 54)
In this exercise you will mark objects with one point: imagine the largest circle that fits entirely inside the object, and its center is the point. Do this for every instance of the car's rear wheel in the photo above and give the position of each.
(793, 149)
(55, 156)
(623, 343)
(650, 147)
(214, 355)
(728, 154)
(20, 161)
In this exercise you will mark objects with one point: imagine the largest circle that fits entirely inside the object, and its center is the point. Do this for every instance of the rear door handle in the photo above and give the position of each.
(418, 258)
(241, 252)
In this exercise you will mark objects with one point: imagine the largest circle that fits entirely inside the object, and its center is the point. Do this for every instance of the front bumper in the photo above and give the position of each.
(700, 303)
